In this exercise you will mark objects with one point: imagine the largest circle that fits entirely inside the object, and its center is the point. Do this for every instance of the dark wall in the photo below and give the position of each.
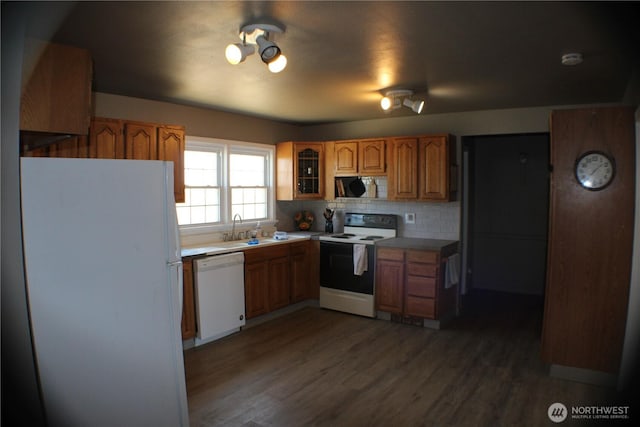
(20, 398)
(509, 213)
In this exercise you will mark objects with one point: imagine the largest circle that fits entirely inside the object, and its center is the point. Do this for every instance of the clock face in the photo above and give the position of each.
(595, 170)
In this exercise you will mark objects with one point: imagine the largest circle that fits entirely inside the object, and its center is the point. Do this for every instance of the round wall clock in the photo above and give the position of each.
(595, 170)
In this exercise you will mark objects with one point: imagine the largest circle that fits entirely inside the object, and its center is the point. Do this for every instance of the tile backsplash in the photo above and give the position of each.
(432, 220)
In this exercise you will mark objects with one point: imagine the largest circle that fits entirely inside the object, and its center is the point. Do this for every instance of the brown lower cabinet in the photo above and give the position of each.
(188, 301)
(277, 276)
(266, 279)
(274, 277)
(305, 273)
(410, 283)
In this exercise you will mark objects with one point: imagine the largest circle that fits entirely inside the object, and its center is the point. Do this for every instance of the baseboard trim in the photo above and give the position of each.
(281, 312)
(581, 375)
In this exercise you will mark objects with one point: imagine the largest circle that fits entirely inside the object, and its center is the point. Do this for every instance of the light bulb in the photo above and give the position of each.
(278, 65)
(237, 52)
(385, 103)
(416, 106)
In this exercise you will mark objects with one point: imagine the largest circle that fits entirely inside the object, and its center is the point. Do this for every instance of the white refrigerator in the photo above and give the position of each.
(104, 286)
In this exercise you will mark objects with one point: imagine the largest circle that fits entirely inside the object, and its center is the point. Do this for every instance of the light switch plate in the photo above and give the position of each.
(410, 218)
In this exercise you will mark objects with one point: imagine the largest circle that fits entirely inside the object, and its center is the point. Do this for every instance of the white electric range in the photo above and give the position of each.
(347, 262)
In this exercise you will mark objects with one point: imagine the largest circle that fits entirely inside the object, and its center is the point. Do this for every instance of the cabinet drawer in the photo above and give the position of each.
(261, 254)
(421, 286)
(419, 269)
(429, 257)
(422, 307)
(299, 247)
(390, 254)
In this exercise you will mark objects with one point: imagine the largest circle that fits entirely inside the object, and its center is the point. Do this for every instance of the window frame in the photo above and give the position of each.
(226, 148)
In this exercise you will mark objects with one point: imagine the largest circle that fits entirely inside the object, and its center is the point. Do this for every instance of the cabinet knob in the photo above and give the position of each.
(242, 317)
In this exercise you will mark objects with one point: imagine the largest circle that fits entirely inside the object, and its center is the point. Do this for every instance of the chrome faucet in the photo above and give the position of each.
(233, 228)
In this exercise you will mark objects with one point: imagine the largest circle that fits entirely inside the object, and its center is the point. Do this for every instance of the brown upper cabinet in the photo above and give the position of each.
(171, 147)
(345, 158)
(363, 157)
(75, 146)
(300, 171)
(106, 139)
(140, 141)
(120, 139)
(434, 165)
(420, 168)
(402, 180)
(124, 139)
(56, 88)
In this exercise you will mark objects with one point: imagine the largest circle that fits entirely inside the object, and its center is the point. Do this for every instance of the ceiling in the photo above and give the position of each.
(458, 56)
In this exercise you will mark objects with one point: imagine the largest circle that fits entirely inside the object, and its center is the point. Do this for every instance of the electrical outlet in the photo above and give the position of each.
(410, 218)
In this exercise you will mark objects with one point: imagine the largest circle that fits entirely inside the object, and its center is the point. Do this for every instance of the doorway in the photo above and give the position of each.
(505, 213)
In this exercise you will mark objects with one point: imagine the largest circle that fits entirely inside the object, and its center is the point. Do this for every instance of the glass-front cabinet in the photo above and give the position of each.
(308, 172)
(300, 171)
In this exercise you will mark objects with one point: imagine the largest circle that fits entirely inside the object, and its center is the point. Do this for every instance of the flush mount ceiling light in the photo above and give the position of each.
(253, 35)
(571, 59)
(393, 99)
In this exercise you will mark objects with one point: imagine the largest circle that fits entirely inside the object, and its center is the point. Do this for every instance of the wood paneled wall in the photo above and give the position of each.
(590, 242)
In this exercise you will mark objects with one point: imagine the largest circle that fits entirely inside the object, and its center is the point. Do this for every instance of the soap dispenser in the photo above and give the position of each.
(254, 235)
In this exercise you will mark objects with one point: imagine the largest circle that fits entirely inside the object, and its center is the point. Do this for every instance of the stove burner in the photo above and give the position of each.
(344, 236)
(372, 237)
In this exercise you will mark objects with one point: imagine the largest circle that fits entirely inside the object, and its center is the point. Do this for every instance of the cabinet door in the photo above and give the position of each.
(188, 301)
(105, 139)
(371, 157)
(420, 307)
(346, 158)
(140, 141)
(171, 147)
(300, 271)
(389, 285)
(56, 91)
(279, 285)
(309, 171)
(402, 179)
(36, 152)
(300, 171)
(256, 288)
(434, 168)
(74, 147)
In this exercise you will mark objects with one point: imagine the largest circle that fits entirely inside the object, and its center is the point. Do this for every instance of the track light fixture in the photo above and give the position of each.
(392, 101)
(258, 34)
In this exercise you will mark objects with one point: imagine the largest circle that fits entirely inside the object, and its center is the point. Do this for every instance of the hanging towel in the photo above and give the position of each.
(452, 273)
(360, 263)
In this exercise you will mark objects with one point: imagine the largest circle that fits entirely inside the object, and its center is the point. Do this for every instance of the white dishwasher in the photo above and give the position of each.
(219, 293)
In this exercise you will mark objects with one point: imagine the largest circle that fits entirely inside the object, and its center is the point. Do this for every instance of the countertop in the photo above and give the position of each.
(218, 248)
(419, 244)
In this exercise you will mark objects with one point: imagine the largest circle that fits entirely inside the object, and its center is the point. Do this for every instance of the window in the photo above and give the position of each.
(202, 188)
(224, 178)
(247, 178)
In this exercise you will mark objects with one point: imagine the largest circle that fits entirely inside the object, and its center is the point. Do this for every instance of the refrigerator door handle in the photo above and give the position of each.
(177, 281)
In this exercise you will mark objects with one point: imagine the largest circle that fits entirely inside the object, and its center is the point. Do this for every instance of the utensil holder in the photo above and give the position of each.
(328, 226)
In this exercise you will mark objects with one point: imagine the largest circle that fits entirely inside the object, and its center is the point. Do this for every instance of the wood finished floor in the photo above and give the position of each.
(316, 367)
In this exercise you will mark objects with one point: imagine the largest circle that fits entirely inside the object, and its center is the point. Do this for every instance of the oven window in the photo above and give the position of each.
(336, 268)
